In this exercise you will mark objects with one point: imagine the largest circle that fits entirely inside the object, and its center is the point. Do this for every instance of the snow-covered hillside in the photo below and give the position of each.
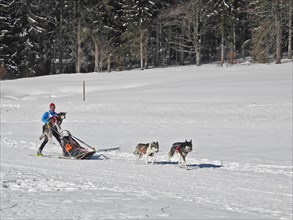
(239, 119)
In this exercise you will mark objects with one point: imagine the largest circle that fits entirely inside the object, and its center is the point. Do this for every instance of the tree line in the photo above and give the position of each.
(41, 37)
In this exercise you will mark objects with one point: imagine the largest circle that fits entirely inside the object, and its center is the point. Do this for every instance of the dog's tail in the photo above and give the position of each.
(171, 152)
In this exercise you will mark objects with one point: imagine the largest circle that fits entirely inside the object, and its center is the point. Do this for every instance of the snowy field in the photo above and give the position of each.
(239, 119)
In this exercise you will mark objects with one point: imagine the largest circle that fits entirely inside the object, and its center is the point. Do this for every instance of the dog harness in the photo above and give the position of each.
(143, 151)
(186, 149)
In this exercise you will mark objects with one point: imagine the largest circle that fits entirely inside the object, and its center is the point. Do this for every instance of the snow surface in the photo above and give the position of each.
(239, 119)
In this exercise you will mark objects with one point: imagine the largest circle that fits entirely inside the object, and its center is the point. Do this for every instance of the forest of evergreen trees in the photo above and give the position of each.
(42, 37)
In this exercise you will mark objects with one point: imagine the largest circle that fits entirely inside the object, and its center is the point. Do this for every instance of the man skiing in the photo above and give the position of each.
(45, 118)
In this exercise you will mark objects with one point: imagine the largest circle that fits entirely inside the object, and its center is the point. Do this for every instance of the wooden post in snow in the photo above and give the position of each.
(83, 90)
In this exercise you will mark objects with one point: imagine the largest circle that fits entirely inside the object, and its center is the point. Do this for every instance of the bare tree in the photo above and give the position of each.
(189, 23)
(290, 24)
(141, 44)
(78, 50)
(96, 53)
(267, 36)
(278, 24)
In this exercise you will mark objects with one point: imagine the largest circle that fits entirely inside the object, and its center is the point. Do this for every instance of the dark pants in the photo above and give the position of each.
(55, 134)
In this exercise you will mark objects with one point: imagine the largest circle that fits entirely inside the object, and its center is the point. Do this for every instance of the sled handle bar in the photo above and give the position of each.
(83, 142)
(108, 149)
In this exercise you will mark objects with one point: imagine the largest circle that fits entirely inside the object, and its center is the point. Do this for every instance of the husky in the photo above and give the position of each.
(182, 148)
(54, 121)
(148, 149)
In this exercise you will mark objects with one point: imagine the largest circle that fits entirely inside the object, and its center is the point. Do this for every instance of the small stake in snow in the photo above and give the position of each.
(83, 90)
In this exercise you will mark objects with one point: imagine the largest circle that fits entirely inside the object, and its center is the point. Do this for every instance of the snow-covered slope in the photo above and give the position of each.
(239, 119)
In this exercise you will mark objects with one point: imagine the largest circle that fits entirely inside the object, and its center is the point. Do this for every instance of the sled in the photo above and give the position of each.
(75, 148)
(72, 147)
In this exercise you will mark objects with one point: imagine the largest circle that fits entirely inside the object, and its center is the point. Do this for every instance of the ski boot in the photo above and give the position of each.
(39, 153)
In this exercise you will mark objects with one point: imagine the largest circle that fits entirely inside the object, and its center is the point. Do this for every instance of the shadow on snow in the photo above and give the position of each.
(202, 165)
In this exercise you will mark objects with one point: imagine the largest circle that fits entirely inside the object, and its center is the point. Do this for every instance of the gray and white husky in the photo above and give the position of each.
(182, 148)
(54, 122)
(148, 149)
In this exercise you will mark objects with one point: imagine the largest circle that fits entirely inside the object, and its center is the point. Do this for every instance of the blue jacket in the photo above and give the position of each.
(47, 115)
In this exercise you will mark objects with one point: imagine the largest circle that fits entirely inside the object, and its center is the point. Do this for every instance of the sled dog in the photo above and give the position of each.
(148, 149)
(182, 148)
(54, 121)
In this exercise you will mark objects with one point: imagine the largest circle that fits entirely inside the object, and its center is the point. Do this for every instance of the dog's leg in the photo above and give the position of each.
(47, 134)
(154, 160)
(135, 153)
(43, 133)
(184, 162)
(51, 137)
(170, 154)
(179, 161)
(50, 134)
(58, 127)
(137, 158)
(42, 136)
(146, 159)
(168, 158)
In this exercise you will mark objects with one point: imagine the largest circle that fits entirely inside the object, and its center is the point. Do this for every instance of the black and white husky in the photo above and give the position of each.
(148, 149)
(54, 121)
(182, 148)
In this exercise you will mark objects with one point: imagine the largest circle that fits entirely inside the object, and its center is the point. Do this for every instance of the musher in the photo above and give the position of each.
(45, 118)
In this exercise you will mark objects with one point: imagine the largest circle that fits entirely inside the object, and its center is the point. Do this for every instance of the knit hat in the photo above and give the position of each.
(52, 105)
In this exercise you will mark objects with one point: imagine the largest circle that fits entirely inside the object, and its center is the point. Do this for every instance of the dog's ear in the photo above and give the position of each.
(63, 113)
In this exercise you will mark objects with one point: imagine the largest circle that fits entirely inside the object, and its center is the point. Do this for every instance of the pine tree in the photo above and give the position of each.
(8, 44)
(15, 37)
(22, 41)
